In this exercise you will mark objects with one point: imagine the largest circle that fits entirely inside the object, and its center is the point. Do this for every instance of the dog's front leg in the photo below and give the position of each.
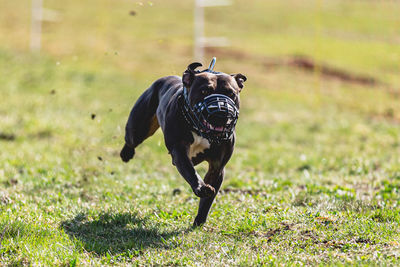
(185, 167)
(214, 178)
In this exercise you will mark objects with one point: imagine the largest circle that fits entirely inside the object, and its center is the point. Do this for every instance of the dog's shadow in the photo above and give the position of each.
(115, 233)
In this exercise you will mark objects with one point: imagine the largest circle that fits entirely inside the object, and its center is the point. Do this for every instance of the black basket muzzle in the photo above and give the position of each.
(214, 117)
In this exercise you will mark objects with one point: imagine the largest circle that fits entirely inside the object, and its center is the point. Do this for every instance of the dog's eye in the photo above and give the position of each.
(205, 91)
(231, 94)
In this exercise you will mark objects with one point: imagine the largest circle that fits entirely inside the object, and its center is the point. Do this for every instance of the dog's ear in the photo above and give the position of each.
(188, 75)
(240, 79)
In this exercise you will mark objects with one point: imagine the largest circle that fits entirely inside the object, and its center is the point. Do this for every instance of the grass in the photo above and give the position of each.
(315, 175)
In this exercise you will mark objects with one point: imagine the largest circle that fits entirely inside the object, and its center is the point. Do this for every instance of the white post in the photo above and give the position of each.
(199, 40)
(36, 25)
(198, 30)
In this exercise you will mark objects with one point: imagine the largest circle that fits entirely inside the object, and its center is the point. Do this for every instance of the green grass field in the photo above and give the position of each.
(315, 175)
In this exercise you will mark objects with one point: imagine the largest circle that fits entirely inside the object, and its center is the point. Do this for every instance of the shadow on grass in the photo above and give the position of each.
(115, 233)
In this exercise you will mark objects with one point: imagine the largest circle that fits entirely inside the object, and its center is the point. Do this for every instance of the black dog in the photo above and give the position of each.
(197, 114)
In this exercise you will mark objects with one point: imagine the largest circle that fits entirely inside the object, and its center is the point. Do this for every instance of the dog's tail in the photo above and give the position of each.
(142, 121)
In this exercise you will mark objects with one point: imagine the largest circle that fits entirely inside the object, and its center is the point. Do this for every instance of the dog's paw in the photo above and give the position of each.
(204, 190)
(127, 153)
(197, 223)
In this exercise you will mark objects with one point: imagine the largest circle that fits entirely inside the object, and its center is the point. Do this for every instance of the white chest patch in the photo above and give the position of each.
(199, 145)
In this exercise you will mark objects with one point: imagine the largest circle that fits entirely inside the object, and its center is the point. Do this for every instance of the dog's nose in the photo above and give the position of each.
(218, 119)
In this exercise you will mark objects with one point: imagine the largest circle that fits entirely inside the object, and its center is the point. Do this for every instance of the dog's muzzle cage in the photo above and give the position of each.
(214, 118)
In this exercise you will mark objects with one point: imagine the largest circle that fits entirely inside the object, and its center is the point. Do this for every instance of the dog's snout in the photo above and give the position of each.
(218, 118)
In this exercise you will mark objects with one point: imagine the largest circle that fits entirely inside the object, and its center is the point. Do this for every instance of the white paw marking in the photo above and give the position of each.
(198, 146)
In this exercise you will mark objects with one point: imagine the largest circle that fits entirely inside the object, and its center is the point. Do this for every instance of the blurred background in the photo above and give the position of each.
(360, 37)
(318, 131)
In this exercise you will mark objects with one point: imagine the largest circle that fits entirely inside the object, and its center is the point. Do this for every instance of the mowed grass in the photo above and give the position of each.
(316, 171)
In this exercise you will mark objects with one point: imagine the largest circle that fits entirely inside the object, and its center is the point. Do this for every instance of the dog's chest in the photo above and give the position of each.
(198, 146)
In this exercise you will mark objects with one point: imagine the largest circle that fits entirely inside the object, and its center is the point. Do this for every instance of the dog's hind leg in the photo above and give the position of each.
(142, 122)
(127, 153)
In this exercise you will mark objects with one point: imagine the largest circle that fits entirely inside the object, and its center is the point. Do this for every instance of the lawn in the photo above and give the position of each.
(315, 175)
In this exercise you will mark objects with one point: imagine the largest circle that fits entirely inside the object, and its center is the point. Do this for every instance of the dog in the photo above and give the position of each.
(197, 114)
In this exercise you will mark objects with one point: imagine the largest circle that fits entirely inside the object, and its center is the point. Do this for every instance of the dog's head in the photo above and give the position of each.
(214, 98)
(202, 84)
